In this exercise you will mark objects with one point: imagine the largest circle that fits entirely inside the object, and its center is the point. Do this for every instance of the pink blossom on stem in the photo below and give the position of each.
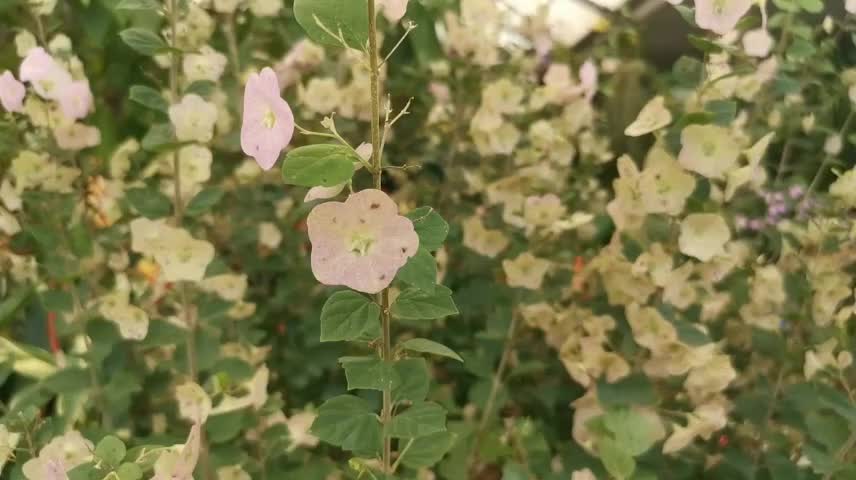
(44, 73)
(75, 99)
(268, 121)
(589, 79)
(12, 93)
(361, 243)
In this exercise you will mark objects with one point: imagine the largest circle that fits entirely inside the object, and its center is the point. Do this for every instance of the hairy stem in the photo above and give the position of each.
(377, 163)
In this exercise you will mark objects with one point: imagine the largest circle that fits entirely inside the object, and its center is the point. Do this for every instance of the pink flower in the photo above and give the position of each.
(589, 79)
(12, 92)
(268, 121)
(361, 243)
(44, 73)
(720, 16)
(393, 10)
(757, 42)
(75, 99)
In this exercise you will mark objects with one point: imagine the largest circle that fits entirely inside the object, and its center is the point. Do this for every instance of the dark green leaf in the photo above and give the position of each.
(111, 450)
(430, 227)
(423, 345)
(150, 5)
(420, 271)
(414, 304)
(425, 418)
(149, 97)
(348, 422)
(204, 201)
(426, 451)
(319, 165)
(149, 202)
(413, 380)
(370, 373)
(159, 138)
(348, 18)
(631, 390)
(143, 41)
(347, 315)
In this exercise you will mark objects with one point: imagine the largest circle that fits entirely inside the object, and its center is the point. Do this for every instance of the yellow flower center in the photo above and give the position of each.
(269, 119)
(360, 244)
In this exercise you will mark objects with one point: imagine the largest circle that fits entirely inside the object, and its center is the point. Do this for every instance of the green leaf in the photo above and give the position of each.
(149, 202)
(149, 97)
(420, 271)
(204, 201)
(428, 450)
(414, 304)
(226, 427)
(348, 422)
(111, 450)
(634, 432)
(811, 6)
(723, 111)
(423, 345)
(630, 390)
(347, 315)
(13, 301)
(618, 462)
(430, 227)
(369, 373)
(67, 381)
(143, 41)
(421, 419)
(350, 17)
(129, 471)
(319, 165)
(787, 5)
(150, 5)
(159, 138)
(413, 380)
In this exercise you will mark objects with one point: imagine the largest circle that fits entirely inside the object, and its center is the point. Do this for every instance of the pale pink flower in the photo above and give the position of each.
(179, 465)
(589, 79)
(268, 121)
(361, 243)
(75, 99)
(44, 73)
(720, 16)
(393, 10)
(850, 6)
(12, 92)
(757, 42)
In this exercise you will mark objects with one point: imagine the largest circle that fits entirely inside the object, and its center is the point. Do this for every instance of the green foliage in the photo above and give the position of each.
(331, 21)
(319, 165)
(349, 316)
(415, 304)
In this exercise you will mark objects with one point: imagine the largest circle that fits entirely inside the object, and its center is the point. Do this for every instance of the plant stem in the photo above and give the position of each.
(494, 391)
(377, 162)
(232, 43)
(190, 321)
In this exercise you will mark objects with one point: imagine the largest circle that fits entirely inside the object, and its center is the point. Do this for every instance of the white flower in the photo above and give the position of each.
(208, 64)
(133, 322)
(59, 456)
(710, 150)
(256, 395)
(299, 425)
(228, 286)
(194, 165)
(234, 472)
(193, 403)
(703, 236)
(8, 442)
(269, 235)
(525, 271)
(193, 119)
(265, 8)
(180, 256)
(653, 117)
(482, 240)
(844, 188)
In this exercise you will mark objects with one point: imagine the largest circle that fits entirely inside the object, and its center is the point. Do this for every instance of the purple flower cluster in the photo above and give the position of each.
(780, 205)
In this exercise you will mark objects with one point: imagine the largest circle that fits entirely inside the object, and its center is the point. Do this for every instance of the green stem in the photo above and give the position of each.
(377, 173)
(494, 392)
(190, 322)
